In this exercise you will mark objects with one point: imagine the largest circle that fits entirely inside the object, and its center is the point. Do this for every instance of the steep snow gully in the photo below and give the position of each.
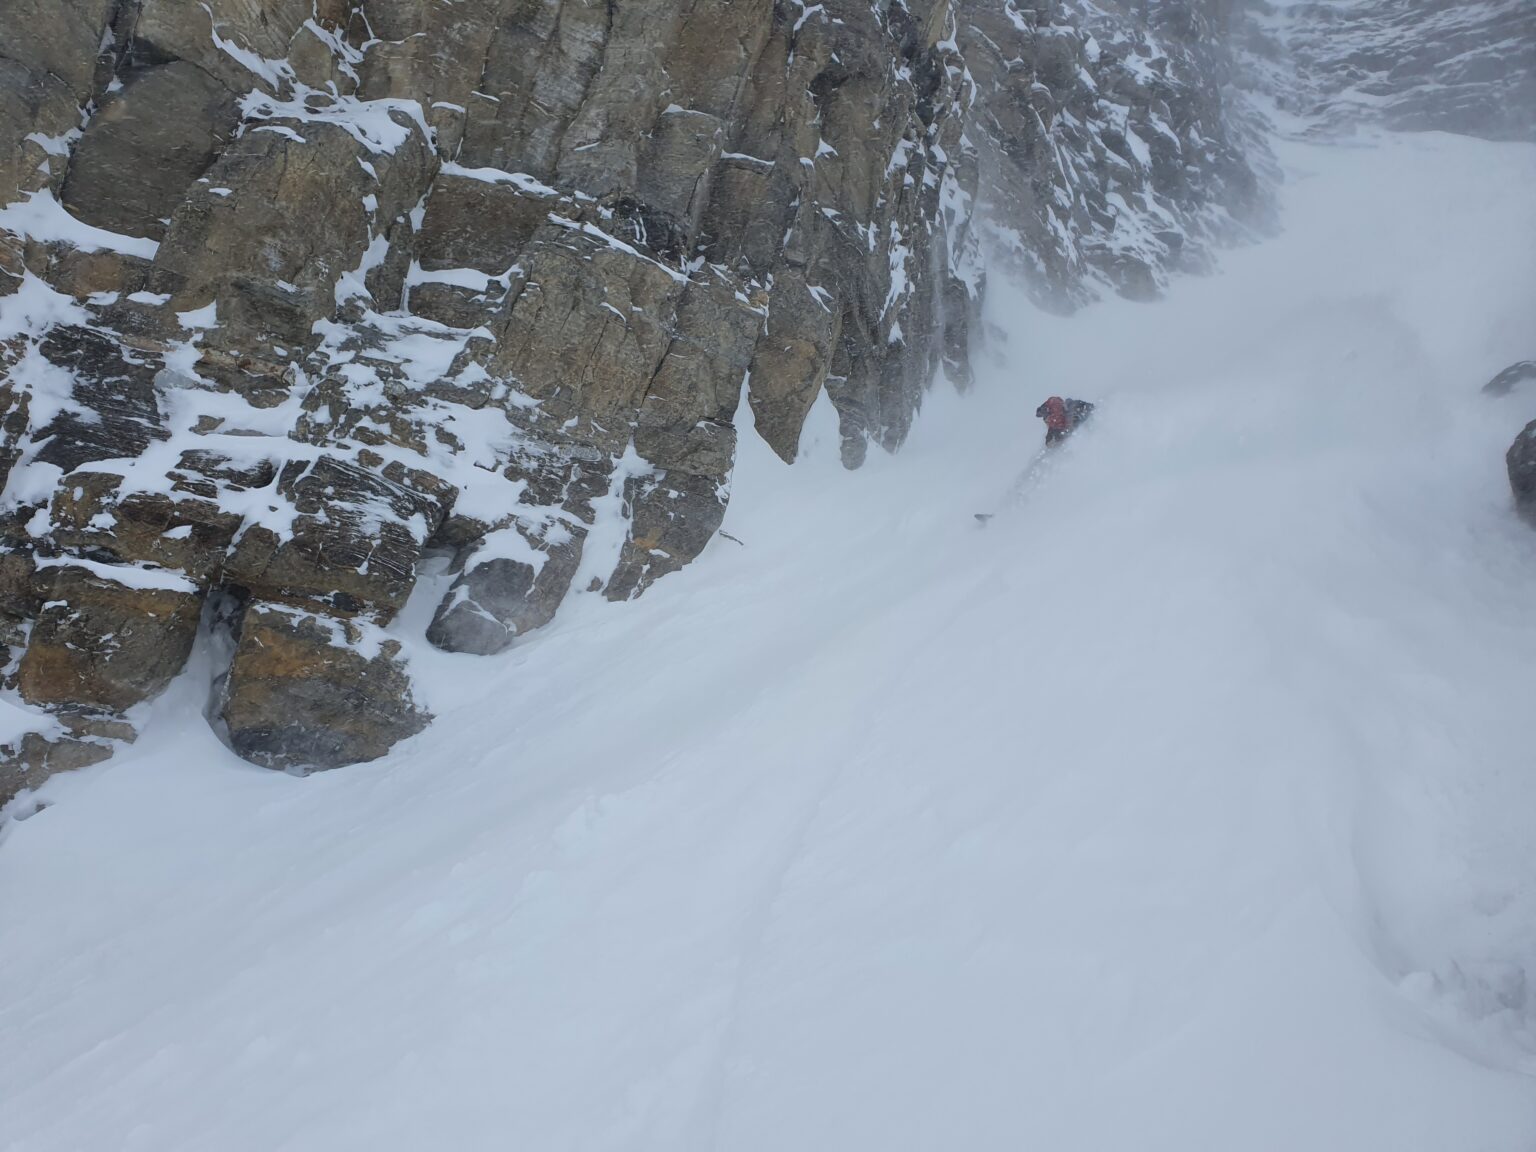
(1185, 806)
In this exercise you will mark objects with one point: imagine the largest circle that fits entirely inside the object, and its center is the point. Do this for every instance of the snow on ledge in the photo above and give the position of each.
(140, 579)
(42, 218)
(519, 180)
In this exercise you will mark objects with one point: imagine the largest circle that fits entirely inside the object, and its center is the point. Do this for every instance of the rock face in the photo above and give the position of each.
(296, 295)
(1464, 66)
(304, 292)
(1114, 149)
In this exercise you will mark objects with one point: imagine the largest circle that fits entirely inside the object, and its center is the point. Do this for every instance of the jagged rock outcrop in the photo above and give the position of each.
(296, 293)
(1520, 372)
(1114, 149)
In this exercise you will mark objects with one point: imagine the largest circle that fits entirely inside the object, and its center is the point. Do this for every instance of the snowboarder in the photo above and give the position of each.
(1062, 417)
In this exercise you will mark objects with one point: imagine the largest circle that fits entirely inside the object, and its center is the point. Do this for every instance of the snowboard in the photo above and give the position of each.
(1040, 465)
(1025, 480)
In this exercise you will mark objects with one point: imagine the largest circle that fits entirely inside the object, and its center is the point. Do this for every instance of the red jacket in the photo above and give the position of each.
(1054, 413)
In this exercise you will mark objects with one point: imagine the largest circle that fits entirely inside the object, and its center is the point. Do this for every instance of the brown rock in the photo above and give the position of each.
(36, 756)
(189, 535)
(355, 539)
(102, 642)
(283, 214)
(585, 335)
(791, 361)
(33, 103)
(307, 691)
(455, 335)
(480, 224)
(82, 274)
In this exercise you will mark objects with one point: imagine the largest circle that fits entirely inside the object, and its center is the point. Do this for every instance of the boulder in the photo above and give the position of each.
(512, 582)
(108, 636)
(1521, 462)
(307, 691)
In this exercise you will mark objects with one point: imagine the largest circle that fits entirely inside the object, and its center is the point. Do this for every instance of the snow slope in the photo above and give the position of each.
(1185, 806)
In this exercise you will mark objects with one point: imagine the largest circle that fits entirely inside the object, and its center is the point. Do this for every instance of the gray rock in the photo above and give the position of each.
(1098, 130)
(1521, 462)
(59, 38)
(116, 409)
(35, 105)
(192, 30)
(1512, 377)
(498, 597)
(145, 146)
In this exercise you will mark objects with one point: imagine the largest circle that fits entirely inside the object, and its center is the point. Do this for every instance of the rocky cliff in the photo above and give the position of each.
(1466, 66)
(1115, 147)
(295, 293)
